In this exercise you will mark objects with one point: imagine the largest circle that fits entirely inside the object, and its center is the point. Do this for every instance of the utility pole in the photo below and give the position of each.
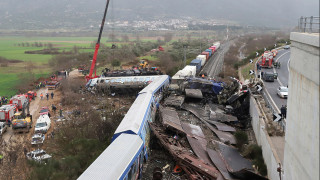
(184, 55)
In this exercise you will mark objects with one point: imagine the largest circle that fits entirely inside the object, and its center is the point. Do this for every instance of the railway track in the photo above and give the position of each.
(215, 64)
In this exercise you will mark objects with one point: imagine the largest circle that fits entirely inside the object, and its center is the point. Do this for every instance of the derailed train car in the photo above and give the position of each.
(121, 161)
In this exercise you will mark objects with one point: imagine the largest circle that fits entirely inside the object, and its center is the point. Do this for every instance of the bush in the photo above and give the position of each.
(254, 152)
(241, 138)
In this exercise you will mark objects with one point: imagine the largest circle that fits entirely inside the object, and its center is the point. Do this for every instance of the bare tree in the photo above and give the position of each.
(167, 37)
(125, 38)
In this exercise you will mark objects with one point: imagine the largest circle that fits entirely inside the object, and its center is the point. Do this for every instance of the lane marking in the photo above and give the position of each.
(288, 65)
(271, 99)
(274, 70)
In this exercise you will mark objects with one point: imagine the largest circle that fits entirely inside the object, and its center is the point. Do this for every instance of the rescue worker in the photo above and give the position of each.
(54, 108)
(41, 96)
(1, 158)
(9, 122)
(202, 76)
(283, 110)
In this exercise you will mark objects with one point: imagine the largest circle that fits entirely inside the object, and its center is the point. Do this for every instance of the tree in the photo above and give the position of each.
(125, 38)
(115, 62)
(75, 49)
(112, 37)
(50, 45)
(167, 37)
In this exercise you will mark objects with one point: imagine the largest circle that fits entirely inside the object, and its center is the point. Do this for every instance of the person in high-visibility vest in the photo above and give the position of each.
(1, 158)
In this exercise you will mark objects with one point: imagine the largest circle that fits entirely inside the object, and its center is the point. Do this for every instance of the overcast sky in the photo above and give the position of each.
(271, 13)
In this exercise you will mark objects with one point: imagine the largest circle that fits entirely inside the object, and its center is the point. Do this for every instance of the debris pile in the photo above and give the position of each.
(199, 134)
(131, 72)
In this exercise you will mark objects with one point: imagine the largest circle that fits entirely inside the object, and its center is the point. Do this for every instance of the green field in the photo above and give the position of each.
(11, 48)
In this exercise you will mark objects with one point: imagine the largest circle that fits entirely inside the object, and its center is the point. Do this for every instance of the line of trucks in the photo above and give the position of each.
(195, 65)
(267, 58)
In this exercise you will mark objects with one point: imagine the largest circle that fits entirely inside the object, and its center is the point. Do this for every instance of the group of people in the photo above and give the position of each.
(47, 95)
(3, 100)
(41, 84)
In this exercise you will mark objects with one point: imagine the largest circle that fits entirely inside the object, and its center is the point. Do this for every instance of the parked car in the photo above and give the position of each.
(282, 92)
(3, 128)
(286, 47)
(38, 155)
(45, 110)
(43, 124)
(268, 76)
(37, 139)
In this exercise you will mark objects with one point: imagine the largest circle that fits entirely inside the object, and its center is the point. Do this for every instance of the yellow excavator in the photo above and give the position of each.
(22, 122)
(143, 64)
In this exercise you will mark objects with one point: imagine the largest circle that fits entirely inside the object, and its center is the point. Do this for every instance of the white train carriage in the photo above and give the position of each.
(134, 124)
(122, 160)
(136, 120)
(157, 86)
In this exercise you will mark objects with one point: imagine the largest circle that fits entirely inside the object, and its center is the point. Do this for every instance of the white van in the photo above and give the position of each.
(43, 124)
(3, 128)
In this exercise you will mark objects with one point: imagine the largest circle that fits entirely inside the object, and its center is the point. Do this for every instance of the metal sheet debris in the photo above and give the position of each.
(223, 136)
(222, 126)
(170, 118)
(197, 110)
(199, 150)
(223, 117)
(232, 158)
(248, 174)
(192, 130)
(194, 93)
(192, 165)
(174, 100)
(218, 162)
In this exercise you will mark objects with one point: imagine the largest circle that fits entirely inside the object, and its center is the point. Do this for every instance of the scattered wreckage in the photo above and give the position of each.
(38, 155)
(199, 155)
(37, 139)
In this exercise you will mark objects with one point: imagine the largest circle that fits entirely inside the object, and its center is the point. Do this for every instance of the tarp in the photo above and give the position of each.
(206, 86)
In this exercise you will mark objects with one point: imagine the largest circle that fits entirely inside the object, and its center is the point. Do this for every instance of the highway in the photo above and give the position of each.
(283, 57)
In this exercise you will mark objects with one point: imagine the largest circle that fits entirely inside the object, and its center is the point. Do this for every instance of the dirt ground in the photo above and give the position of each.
(23, 140)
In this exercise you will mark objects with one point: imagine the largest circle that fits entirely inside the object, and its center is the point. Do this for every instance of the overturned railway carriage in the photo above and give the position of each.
(120, 84)
(123, 159)
(112, 164)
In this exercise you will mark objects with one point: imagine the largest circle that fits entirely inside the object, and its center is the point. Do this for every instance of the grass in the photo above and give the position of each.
(149, 57)
(10, 76)
(246, 68)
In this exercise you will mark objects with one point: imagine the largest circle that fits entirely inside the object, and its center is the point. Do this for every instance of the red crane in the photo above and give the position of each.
(94, 60)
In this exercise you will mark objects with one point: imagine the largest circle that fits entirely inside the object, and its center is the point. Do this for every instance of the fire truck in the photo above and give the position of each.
(7, 112)
(266, 59)
(20, 101)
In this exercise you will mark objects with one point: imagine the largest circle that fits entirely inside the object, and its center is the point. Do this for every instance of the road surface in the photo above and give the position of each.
(283, 77)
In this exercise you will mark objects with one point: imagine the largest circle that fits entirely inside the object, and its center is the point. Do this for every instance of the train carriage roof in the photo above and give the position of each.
(136, 116)
(115, 160)
(155, 85)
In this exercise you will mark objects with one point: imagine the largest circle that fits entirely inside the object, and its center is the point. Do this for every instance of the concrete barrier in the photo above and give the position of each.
(263, 139)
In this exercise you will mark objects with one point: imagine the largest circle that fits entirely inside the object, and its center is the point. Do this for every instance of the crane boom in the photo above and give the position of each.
(94, 60)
